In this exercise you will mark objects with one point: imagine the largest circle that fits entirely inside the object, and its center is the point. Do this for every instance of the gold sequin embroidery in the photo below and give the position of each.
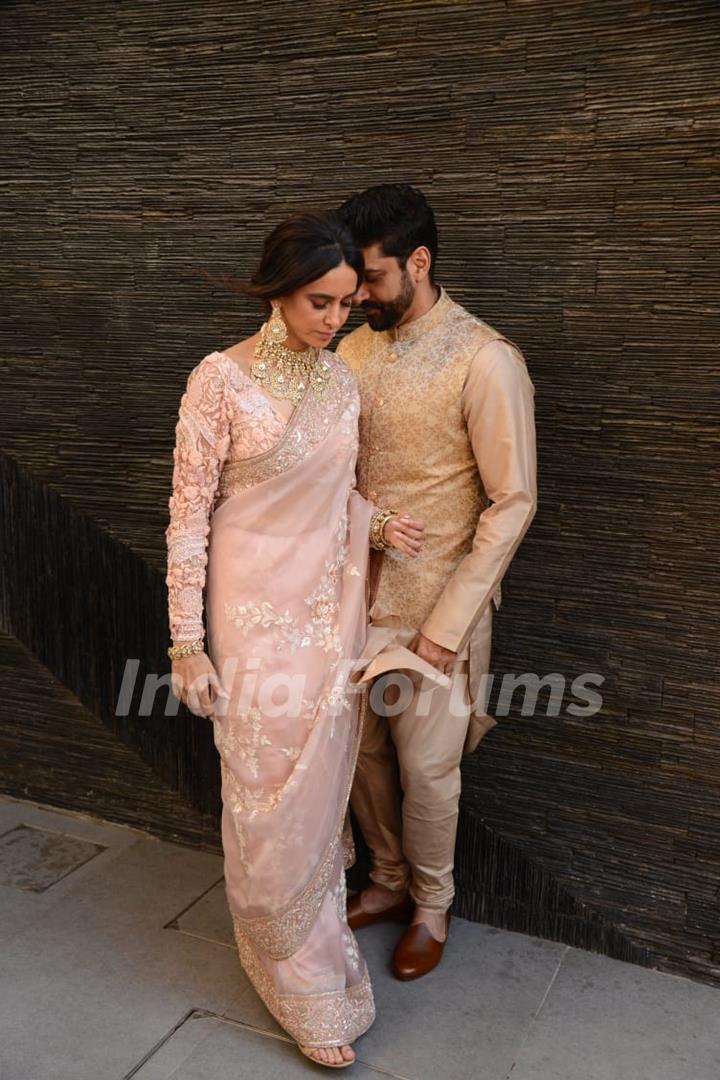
(332, 1018)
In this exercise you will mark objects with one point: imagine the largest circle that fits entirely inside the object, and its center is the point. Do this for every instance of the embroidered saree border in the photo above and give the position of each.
(332, 1017)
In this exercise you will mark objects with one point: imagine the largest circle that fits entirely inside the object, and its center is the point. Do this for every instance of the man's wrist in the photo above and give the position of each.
(436, 644)
(440, 637)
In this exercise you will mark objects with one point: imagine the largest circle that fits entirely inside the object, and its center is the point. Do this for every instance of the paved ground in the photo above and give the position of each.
(118, 962)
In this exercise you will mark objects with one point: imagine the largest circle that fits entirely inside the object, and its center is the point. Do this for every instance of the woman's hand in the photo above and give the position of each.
(405, 533)
(195, 682)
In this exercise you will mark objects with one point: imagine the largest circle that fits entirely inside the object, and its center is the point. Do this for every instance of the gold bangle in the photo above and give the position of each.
(176, 652)
(373, 530)
(377, 526)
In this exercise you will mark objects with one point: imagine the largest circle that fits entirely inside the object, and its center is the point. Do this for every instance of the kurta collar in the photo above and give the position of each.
(413, 331)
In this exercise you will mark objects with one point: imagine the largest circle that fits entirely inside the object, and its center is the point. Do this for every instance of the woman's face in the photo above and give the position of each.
(314, 313)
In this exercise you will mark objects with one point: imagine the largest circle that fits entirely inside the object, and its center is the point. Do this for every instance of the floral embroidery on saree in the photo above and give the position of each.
(244, 738)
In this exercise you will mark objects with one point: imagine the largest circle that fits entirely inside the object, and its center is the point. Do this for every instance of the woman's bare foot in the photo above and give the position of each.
(377, 898)
(329, 1055)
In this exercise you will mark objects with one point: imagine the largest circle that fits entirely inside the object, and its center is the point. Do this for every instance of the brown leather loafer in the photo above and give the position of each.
(357, 917)
(418, 952)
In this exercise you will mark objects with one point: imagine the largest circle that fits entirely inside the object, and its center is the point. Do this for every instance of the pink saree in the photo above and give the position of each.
(286, 615)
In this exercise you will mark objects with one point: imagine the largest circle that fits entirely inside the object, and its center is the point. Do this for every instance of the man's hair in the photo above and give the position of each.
(395, 216)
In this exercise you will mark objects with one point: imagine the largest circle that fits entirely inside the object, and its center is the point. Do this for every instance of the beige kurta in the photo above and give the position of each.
(446, 432)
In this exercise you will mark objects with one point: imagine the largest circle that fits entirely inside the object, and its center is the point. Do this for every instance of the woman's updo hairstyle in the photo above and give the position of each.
(299, 250)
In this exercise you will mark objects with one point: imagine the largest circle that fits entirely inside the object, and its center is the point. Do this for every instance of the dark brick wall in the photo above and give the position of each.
(571, 153)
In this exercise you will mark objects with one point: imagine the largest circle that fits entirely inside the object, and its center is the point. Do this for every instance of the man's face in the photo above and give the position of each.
(387, 291)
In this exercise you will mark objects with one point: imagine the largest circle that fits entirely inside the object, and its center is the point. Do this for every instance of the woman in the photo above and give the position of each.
(264, 501)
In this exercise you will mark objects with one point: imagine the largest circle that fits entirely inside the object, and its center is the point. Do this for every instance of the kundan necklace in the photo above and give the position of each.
(284, 373)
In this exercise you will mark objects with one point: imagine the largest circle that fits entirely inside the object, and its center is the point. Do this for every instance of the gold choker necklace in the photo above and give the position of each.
(286, 374)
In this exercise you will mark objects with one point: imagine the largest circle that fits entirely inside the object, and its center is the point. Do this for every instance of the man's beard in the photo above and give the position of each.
(382, 315)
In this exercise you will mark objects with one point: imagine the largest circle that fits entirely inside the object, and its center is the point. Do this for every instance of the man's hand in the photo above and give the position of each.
(440, 658)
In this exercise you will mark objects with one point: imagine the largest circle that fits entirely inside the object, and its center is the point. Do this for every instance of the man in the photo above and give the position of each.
(446, 433)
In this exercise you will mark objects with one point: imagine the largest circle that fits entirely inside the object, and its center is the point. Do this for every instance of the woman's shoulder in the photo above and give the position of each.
(343, 377)
(206, 383)
(212, 365)
(337, 364)
(219, 366)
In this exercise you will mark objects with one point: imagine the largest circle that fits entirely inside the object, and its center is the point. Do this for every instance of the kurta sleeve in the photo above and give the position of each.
(202, 438)
(498, 404)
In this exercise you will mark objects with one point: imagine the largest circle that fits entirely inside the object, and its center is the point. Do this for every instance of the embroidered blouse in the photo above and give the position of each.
(224, 417)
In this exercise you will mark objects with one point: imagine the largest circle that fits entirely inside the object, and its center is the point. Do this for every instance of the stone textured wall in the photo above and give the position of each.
(571, 153)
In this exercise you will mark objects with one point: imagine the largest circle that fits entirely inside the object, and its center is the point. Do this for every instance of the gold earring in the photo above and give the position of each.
(276, 330)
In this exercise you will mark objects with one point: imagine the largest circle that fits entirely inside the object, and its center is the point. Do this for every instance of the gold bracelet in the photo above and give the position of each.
(176, 652)
(377, 526)
(385, 544)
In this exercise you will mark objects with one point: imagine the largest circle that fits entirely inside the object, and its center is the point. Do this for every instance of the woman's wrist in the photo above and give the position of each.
(377, 529)
(180, 649)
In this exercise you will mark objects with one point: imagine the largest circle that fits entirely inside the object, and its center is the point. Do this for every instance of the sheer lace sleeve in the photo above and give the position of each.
(202, 440)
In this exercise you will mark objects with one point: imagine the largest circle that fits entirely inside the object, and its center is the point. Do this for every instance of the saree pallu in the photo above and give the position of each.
(286, 616)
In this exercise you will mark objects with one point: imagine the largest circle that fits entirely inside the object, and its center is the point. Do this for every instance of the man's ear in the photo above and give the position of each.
(419, 262)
